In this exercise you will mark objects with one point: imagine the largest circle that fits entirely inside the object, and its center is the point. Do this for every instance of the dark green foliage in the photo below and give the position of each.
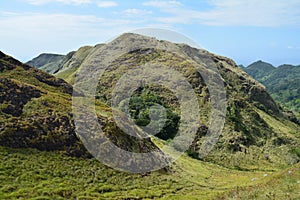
(13, 97)
(259, 69)
(140, 104)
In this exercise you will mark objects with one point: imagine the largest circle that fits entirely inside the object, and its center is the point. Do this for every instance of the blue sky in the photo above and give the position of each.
(245, 31)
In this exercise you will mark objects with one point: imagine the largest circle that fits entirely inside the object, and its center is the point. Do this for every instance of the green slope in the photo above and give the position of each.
(35, 109)
(281, 185)
(69, 66)
(62, 66)
(32, 174)
(246, 138)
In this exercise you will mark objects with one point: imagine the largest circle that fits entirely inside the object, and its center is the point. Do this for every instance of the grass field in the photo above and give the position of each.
(31, 174)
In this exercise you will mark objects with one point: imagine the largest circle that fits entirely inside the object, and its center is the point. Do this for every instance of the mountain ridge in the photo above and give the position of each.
(283, 82)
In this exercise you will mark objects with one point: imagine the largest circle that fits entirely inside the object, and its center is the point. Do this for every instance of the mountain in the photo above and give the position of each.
(35, 109)
(259, 69)
(47, 62)
(252, 115)
(241, 66)
(283, 82)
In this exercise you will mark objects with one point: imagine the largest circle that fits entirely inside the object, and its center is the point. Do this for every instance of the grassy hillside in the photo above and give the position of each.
(31, 174)
(48, 175)
(36, 112)
(284, 84)
(281, 185)
(35, 109)
(69, 65)
(248, 136)
(62, 66)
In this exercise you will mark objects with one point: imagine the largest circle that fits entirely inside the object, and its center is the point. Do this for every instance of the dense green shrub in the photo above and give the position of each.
(143, 102)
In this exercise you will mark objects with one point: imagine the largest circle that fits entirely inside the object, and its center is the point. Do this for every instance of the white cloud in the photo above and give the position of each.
(39, 22)
(28, 34)
(106, 4)
(71, 2)
(162, 4)
(267, 13)
(101, 4)
(139, 12)
(253, 13)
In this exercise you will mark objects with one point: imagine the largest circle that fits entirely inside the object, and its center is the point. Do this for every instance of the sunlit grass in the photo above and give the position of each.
(30, 173)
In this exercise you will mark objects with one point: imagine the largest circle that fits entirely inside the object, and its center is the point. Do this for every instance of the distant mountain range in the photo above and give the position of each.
(283, 82)
(62, 66)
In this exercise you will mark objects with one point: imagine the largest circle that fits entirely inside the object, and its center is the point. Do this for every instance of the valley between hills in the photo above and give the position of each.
(256, 156)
